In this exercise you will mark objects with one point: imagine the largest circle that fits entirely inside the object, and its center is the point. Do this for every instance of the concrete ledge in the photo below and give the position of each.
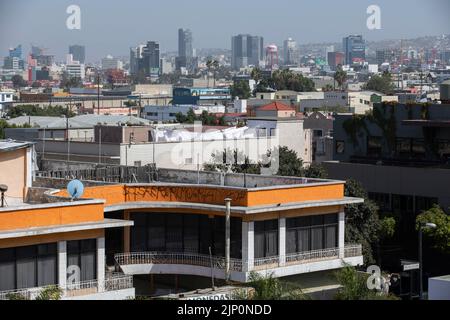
(235, 209)
(51, 205)
(107, 295)
(142, 269)
(104, 224)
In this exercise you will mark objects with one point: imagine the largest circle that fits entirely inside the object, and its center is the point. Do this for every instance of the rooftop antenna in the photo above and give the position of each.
(75, 188)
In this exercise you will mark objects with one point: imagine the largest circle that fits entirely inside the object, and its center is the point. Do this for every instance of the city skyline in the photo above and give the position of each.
(112, 36)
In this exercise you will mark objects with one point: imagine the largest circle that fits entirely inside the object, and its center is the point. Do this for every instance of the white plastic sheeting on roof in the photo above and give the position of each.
(178, 135)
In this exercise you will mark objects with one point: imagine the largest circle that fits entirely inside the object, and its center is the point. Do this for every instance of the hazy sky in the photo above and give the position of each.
(112, 26)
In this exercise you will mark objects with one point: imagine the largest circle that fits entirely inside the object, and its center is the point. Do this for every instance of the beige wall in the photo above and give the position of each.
(13, 173)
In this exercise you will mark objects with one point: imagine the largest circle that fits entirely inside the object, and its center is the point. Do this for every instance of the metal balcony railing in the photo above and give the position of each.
(193, 259)
(352, 250)
(176, 258)
(113, 283)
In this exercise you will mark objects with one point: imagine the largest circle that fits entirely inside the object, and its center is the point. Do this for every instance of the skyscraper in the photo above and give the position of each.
(185, 57)
(78, 52)
(135, 58)
(354, 48)
(150, 61)
(246, 50)
(16, 52)
(185, 39)
(14, 60)
(290, 52)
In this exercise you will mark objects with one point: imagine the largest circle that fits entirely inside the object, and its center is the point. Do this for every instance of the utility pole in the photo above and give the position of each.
(98, 92)
(227, 238)
(100, 145)
(67, 140)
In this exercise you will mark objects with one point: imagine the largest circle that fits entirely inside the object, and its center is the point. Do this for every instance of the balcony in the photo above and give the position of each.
(198, 264)
(114, 282)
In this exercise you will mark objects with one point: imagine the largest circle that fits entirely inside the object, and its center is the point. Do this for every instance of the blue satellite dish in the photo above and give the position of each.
(75, 189)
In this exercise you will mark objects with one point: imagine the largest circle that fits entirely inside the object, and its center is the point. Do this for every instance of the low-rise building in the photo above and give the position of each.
(51, 242)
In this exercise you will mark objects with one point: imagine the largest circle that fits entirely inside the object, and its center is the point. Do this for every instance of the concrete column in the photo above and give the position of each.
(101, 264)
(227, 238)
(282, 241)
(126, 234)
(62, 264)
(341, 234)
(248, 246)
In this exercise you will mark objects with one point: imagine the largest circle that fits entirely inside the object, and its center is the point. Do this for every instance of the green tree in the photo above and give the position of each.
(441, 234)
(35, 110)
(256, 74)
(4, 125)
(315, 170)
(289, 162)
(327, 88)
(354, 286)
(213, 65)
(47, 293)
(50, 293)
(288, 80)
(340, 76)
(18, 81)
(241, 89)
(232, 161)
(381, 83)
(270, 288)
(362, 221)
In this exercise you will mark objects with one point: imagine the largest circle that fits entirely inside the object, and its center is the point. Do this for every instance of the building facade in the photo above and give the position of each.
(354, 49)
(78, 52)
(246, 50)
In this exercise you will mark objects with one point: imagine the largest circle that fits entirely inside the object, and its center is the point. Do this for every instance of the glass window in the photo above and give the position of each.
(26, 267)
(7, 269)
(266, 238)
(156, 232)
(191, 236)
(311, 233)
(174, 233)
(374, 146)
(205, 235)
(47, 265)
(219, 236)
(139, 233)
(83, 254)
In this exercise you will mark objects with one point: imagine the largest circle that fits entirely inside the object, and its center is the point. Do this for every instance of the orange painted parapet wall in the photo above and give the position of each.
(117, 194)
(50, 216)
(112, 194)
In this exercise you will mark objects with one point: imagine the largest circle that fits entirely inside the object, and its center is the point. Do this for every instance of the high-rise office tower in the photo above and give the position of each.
(185, 57)
(14, 59)
(16, 52)
(150, 61)
(290, 52)
(185, 40)
(354, 48)
(78, 52)
(135, 58)
(246, 50)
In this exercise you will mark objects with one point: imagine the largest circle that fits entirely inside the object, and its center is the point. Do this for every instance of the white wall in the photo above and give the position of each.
(439, 288)
(189, 155)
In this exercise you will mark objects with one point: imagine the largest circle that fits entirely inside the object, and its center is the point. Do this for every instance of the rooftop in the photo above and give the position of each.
(276, 106)
(83, 121)
(11, 145)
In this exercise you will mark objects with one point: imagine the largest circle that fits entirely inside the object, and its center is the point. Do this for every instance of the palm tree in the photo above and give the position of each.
(340, 76)
(212, 65)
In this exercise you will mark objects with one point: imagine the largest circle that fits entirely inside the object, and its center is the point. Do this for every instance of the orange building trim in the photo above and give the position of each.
(50, 216)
